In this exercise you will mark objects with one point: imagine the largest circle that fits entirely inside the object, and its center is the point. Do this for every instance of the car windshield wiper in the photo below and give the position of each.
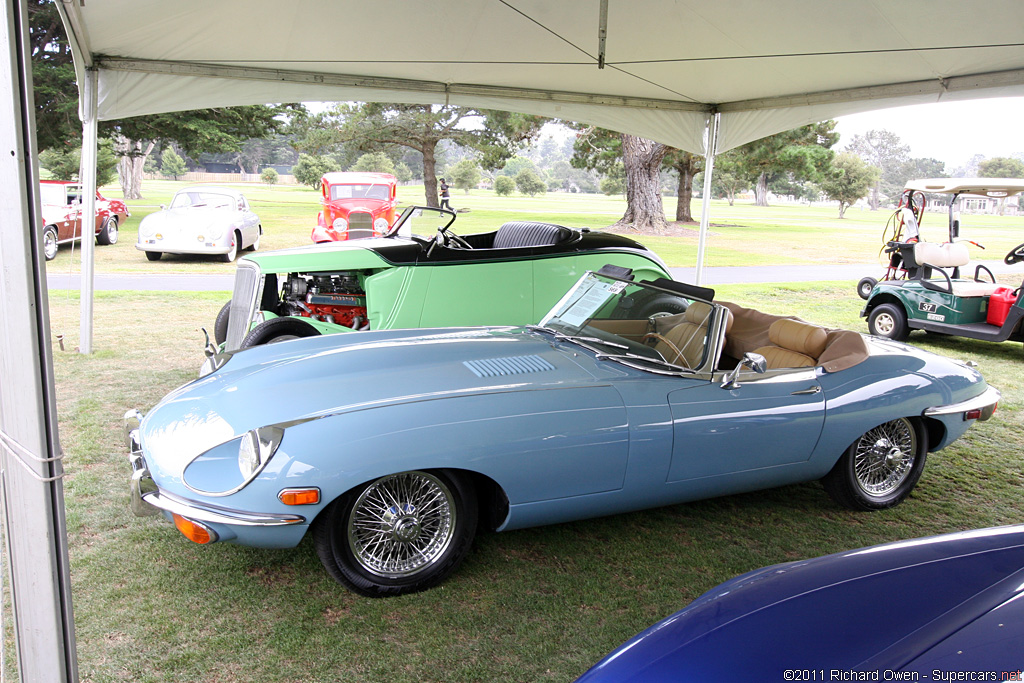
(578, 339)
(631, 359)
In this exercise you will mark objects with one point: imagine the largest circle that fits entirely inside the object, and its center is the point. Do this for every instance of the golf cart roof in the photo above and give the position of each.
(984, 187)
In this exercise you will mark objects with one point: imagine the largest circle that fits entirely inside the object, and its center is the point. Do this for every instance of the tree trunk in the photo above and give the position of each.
(129, 167)
(842, 209)
(642, 159)
(761, 191)
(874, 201)
(684, 193)
(430, 175)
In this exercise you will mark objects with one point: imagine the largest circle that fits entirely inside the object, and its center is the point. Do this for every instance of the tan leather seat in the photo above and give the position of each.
(683, 343)
(796, 344)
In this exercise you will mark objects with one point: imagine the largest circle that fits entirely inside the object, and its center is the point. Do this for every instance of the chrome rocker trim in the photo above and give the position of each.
(986, 402)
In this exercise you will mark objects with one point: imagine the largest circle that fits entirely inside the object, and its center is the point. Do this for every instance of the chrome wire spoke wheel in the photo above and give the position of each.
(884, 457)
(402, 524)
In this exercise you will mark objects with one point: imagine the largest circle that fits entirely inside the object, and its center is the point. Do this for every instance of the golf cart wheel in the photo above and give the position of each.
(865, 286)
(889, 321)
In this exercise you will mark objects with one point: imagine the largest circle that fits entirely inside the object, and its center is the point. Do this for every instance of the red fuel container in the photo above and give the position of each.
(999, 305)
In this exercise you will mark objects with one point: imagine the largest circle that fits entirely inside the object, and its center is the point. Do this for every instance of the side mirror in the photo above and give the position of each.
(754, 361)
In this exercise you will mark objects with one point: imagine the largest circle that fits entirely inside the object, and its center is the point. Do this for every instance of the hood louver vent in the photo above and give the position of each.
(513, 365)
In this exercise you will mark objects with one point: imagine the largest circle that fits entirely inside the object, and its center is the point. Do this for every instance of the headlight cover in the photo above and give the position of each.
(340, 224)
(229, 467)
(381, 224)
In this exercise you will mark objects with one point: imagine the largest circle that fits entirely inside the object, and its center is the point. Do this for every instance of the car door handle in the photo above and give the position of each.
(808, 391)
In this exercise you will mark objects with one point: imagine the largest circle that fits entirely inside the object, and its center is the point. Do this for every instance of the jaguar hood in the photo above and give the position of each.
(294, 381)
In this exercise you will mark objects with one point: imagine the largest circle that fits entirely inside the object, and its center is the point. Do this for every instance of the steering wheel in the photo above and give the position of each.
(451, 240)
(1016, 255)
(679, 354)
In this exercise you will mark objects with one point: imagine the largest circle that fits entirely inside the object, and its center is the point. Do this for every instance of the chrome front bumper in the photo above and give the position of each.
(147, 498)
(984, 404)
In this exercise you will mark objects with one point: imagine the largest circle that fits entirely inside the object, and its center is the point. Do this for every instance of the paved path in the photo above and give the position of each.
(712, 276)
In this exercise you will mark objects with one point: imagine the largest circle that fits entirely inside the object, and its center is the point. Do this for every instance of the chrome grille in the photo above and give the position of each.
(248, 287)
(360, 224)
(512, 365)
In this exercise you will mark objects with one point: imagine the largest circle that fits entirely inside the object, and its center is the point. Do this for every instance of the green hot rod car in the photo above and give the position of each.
(510, 276)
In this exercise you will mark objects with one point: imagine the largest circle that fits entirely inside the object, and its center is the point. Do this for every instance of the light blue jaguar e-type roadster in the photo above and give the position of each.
(392, 447)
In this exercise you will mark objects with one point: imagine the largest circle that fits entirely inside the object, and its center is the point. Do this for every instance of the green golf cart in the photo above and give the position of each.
(929, 285)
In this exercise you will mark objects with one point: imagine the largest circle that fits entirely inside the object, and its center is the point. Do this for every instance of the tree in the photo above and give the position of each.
(504, 186)
(171, 164)
(885, 151)
(849, 179)
(53, 79)
(727, 178)
(465, 175)
(687, 166)
(204, 130)
(514, 165)
(64, 164)
(269, 176)
(530, 183)
(641, 159)
(374, 162)
(802, 153)
(373, 126)
(310, 169)
(1001, 167)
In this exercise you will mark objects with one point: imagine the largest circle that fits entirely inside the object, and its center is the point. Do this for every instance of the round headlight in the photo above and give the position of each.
(381, 224)
(340, 224)
(249, 454)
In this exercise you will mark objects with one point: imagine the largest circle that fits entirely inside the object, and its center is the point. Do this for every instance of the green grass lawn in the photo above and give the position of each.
(534, 605)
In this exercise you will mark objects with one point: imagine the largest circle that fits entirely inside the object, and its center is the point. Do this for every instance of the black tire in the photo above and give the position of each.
(108, 232)
(220, 326)
(399, 534)
(865, 286)
(236, 239)
(154, 255)
(889, 321)
(50, 243)
(278, 330)
(880, 468)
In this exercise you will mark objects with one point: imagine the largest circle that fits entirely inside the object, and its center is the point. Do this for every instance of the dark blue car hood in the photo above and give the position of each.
(950, 602)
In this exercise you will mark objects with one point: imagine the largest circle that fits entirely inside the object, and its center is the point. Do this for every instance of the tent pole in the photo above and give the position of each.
(705, 210)
(88, 177)
(31, 489)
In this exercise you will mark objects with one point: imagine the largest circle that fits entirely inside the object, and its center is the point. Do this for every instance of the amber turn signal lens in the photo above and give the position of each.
(299, 496)
(193, 531)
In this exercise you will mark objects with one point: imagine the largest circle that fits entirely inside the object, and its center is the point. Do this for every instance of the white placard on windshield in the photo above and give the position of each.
(582, 309)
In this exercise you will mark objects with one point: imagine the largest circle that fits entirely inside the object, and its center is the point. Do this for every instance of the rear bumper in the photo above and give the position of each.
(148, 499)
(979, 408)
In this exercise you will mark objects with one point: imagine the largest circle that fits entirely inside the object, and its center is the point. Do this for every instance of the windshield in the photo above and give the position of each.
(421, 220)
(359, 192)
(202, 198)
(634, 321)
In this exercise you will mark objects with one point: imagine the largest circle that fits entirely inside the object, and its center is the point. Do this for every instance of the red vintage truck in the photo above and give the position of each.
(355, 205)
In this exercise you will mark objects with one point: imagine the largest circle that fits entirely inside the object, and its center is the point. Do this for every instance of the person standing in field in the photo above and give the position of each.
(445, 197)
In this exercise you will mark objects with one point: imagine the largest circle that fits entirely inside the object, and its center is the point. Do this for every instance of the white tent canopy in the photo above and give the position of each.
(667, 64)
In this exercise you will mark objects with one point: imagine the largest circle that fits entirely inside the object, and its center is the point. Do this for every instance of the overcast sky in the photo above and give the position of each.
(951, 131)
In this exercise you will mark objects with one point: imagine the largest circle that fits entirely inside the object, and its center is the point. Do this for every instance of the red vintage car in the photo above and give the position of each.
(62, 215)
(355, 205)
